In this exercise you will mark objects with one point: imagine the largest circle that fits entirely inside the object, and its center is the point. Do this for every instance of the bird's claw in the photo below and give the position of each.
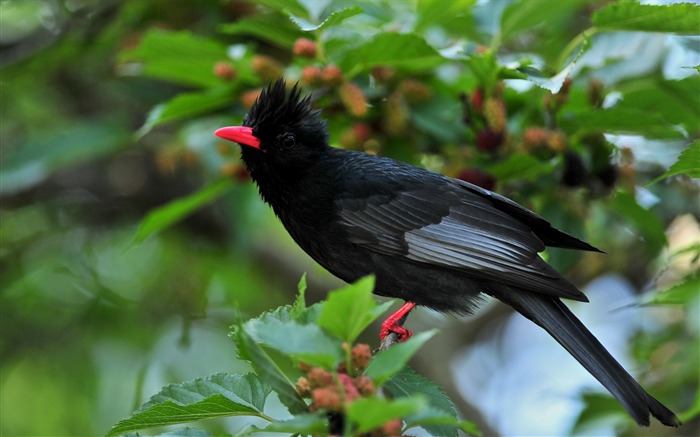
(402, 334)
(394, 325)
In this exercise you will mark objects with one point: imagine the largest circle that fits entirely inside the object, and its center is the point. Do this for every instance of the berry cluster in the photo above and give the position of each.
(332, 392)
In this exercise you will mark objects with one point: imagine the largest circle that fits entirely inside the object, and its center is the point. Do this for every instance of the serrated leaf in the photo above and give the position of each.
(333, 19)
(349, 310)
(304, 424)
(389, 49)
(308, 343)
(621, 120)
(186, 105)
(299, 307)
(369, 413)
(387, 363)
(268, 371)
(681, 18)
(187, 432)
(179, 57)
(441, 419)
(274, 27)
(679, 294)
(554, 83)
(218, 395)
(438, 423)
(688, 163)
(165, 216)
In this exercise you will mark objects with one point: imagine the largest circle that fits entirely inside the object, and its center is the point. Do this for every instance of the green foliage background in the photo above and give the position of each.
(130, 237)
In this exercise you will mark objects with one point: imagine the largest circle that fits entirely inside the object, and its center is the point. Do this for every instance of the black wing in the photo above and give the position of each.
(439, 221)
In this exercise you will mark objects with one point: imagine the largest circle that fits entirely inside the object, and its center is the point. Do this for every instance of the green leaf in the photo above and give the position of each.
(187, 432)
(674, 100)
(218, 395)
(47, 151)
(485, 67)
(621, 120)
(268, 371)
(682, 293)
(688, 163)
(647, 223)
(299, 307)
(293, 7)
(186, 105)
(520, 166)
(554, 83)
(693, 411)
(681, 18)
(438, 423)
(597, 406)
(443, 13)
(308, 343)
(165, 216)
(333, 19)
(441, 416)
(389, 362)
(305, 424)
(369, 413)
(179, 57)
(525, 15)
(390, 49)
(349, 310)
(274, 27)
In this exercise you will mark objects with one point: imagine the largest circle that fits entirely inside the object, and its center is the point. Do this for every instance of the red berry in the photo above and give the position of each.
(478, 177)
(319, 377)
(392, 427)
(489, 141)
(326, 398)
(351, 392)
(225, 71)
(361, 354)
(477, 98)
(365, 385)
(267, 68)
(332, 76)
(353, 99)
(304, 47)
(311, 76)
(383, 74)
(495, 113)
(303, 387)
(248, 98)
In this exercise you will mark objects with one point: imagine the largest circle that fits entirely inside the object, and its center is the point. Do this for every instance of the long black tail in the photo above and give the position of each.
(551, 314)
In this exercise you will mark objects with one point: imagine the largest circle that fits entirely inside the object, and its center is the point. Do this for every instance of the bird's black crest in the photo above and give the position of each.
(277, 107)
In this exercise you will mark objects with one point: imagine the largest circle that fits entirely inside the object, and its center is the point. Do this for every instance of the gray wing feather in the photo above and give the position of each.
(457, 230)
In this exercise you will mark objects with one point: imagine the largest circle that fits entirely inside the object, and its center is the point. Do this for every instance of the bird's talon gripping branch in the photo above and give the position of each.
(394, 323)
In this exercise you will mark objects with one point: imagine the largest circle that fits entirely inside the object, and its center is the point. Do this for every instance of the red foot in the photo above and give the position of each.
(393, 323)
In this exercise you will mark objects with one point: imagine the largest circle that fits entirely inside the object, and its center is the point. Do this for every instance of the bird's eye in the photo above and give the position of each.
(288, 141)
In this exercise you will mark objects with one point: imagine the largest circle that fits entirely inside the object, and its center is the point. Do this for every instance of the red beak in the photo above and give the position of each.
(239, 134)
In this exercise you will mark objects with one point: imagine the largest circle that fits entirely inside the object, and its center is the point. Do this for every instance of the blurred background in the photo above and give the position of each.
(131, 237)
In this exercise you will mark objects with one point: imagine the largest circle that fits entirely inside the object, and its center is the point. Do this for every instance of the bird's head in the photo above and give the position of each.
(281, 132)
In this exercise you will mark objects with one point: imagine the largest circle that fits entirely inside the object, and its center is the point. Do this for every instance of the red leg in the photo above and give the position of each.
(393, 323)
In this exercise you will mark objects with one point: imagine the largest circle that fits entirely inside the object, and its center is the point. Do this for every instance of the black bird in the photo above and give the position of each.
(430, 240)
